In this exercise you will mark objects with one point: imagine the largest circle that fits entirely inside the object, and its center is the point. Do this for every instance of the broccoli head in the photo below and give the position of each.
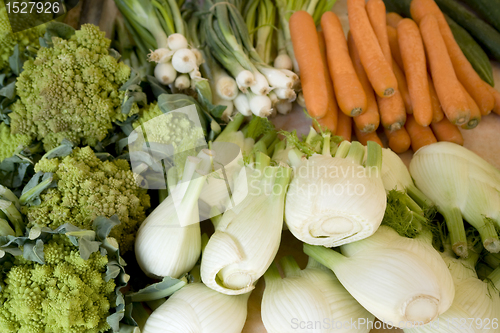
(71, 91)
(10, 142)
(9, 40)
(66, 294)
(87, 188)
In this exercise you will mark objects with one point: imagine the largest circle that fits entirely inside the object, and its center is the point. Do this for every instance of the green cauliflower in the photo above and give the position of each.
(10, 142)
(9, 40)
(87, 188)
(66, 294)
(71, 91)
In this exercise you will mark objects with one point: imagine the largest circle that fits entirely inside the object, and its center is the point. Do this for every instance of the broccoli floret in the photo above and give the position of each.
(66, 294)
(87, 188)
(70, 91)
(8, 40)
(10, 142)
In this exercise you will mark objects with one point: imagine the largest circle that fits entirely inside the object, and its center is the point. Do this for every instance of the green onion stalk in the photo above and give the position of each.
(158, 26)
(285, 10)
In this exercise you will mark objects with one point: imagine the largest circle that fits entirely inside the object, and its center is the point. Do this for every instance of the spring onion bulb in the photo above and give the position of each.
(196, 308)
(285, 94)
(177, 42)
(245, 79)
(199, 57)
(309, 296)
(225, 85)
(161, 55)
(336, 200)
(260, 105)
(283, 61)
(301, 100)
(261, 86)
(276, 77)
(462, 185)
(184, 61)
(165, 73)
(284, 107)
(242, 104)
(247, 236)
(168, 243)
(182, 82)
(274, 99)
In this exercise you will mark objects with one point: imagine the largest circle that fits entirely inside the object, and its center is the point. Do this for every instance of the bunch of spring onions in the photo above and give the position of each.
(157, 26)
(239, 73)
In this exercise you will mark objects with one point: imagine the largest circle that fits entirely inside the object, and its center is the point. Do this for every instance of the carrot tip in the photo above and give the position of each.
(356, 112)
(471, 124)
(395, 127)
(389, 92)
(368, 128)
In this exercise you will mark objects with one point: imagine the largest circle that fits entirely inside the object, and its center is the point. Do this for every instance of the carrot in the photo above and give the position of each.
(377, 68)
(403, 86)
(420, 135)
(376, 14)
(365, 137)
(394, 45)
(465, 73)
(348, 90)
(308, 56)
(393, 19)
(413, 54)
(437, 111)
(331, 118)
(451, 96)
(344, 127)
(370, 120)
(399, 141)
(446, 131)
(475, 113)
(392, 112)
(495, 94)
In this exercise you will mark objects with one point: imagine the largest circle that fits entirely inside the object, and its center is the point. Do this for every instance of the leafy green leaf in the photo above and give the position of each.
(132, 97)
(56, 29)
(157, 88)
(63, 150)
(16, 61)
(9, 91)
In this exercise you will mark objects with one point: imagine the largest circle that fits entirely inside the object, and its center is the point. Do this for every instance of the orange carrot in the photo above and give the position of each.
(344, 127)
(331, 118)
(365, 137)
(393, 19)
(495, 94)
(394, 44)
(465, 73)
(377, 68)
(399, 141)
(420, 136)
(403, 86)
(370, 120)
(437, 111)
(376, 14)
(475, 113)
(451, 96)
(392, 111)
(306, 49)
(348, 90)
(413, 54)
(446, 131)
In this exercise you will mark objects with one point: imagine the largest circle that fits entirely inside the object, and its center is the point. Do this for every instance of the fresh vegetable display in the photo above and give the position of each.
(157, 173)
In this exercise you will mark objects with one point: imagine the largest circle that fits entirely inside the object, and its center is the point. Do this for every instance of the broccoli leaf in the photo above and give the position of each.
(9, 91)
(63, 150)
(34, 251)
(157, 88)
(162, 289)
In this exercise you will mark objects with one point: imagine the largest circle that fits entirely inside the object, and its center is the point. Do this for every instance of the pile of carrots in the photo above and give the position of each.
(408, 75)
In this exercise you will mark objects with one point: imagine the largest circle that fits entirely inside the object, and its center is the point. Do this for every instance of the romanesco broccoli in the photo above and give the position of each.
(87, 188)
(10, 142)
(8, 40)
(66, 294)
(71, 91)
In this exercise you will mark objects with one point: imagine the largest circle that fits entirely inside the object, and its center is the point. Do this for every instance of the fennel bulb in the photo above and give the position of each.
(196, 308)
(168, 242)
(399, 280)
(247, 237)
(336, 200)
(307, 296)
(462, 185)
